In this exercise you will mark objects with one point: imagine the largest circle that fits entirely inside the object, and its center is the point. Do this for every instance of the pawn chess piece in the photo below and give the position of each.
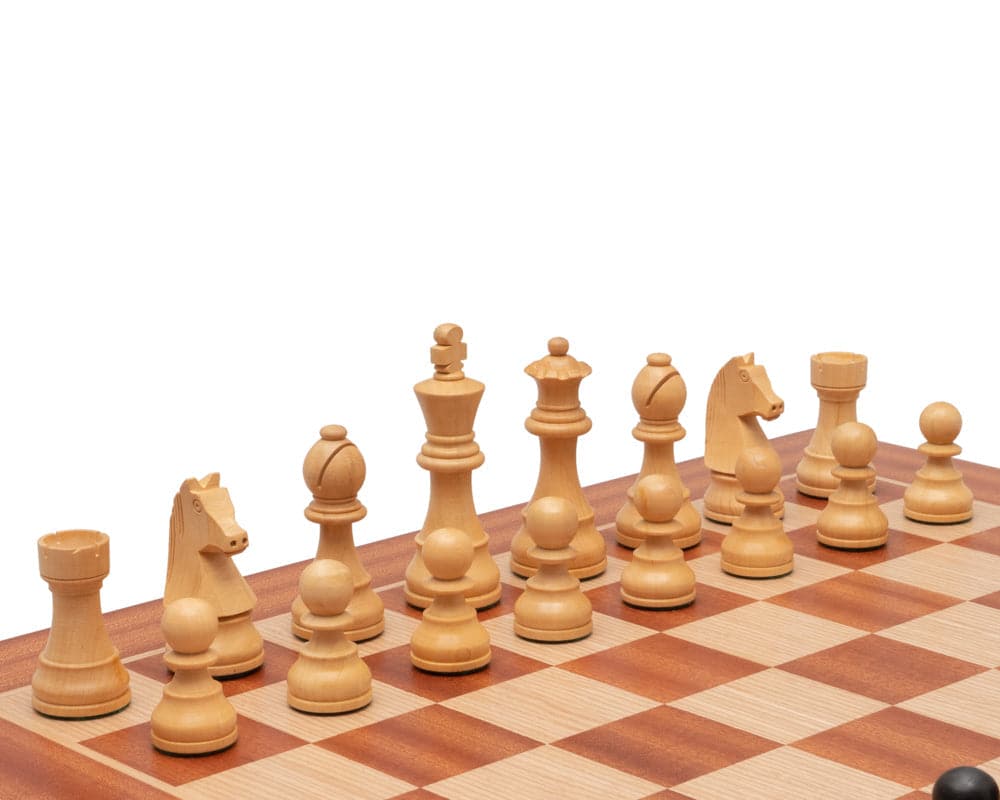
(552, 608)
(79, 672)
(938, 493)
(334, 471)
(658, 576)
(194, 716)
(838, 379)
(558, 421)
(965, 783)
(852, 519)
(658, 394)
(329, 676)
(449, 638)
(757, 546)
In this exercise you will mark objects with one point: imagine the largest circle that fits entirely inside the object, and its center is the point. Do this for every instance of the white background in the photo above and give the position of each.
(223, 226)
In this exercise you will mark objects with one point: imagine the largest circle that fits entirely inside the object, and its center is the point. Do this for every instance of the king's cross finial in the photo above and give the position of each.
(449, 352)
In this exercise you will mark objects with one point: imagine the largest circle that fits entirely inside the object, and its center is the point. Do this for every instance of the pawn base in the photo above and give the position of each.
(330, 707)
(654, 602)
(356, 635)
(236, 670)
(743, 571)
(941, 519)
(478, 602)
(542, 635)
(581, 573)
(448, 668)
(102, 709)
(195, 748)
(852, 544)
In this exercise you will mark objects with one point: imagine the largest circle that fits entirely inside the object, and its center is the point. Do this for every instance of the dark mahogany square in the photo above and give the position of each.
(428, 745)
(899, 544)
(662, 667)
(666, 745)
(987, 541)
(708, 601)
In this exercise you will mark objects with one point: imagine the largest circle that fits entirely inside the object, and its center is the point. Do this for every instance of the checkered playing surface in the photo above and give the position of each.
(858, 675)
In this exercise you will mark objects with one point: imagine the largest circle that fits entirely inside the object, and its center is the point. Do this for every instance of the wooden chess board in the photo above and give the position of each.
(861, 674)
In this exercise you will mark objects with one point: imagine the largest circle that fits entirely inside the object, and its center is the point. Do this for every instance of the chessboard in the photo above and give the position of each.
(861, 674)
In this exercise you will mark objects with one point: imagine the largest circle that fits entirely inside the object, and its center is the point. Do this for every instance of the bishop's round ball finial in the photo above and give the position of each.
(940, 423)
(758, 470)
(658, 391)
(334, 469)
(965, 783)
(448, 553)
(326, 587)
(189, 625)
(853, 445)
(657, 499)
(551, 522)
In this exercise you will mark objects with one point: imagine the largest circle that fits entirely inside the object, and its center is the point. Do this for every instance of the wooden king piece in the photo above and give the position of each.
(449, 402)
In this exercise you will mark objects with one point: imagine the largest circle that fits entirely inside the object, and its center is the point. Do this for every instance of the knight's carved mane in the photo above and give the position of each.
(181, 579)
(723, 429)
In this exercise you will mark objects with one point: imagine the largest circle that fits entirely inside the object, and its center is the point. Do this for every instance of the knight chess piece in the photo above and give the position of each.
(552, 607)
(449, 638)
(852, 519)
(558, 421)
(658, 576)
(204, 537)
(194, 716)
(334, 471)
(757, 546)
(658, 394)
(329, 676)
(79, 673)
(938, 493)
(449, 401)
(740, 393)
(838, 379)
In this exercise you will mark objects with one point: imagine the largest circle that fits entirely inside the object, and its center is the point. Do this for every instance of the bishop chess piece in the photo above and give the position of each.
(449, 638)
(838, 379)
(965, 783)
(79, 673)
(558, 421)
(658, 394)
(938, 493)
(757, 546)
(194, 716)
(852, 519)
(740, 393)
(329, 676)
(334, 471)
(204, 537)
(449, 401)
(658, 576)
(552, 607)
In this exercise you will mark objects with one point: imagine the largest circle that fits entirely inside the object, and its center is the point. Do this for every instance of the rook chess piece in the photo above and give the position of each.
(329, 676)
(965, 783)
(449, 401)
(334, 472)
(658, 576)
(838, 379)
(740, 393)
(552, 607)
(450, 637)
(852, 519)
(658, 394)
(757, 546)
(938, 493)
(194, 716)
(558, 421)
(204, 537)
(79, 672)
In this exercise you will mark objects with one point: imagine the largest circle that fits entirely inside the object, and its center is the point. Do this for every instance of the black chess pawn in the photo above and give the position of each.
(965, 783)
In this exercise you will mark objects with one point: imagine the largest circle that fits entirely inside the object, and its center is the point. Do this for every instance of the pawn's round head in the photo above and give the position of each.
(551, 522)
(853, 445)
(189, 625)
(940, 423)
(326, 587)
(657, 498)
(758, 470)
(448, 553)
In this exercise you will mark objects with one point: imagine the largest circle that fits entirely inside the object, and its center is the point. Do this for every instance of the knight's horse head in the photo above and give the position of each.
(209, 518)
(749, 389)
